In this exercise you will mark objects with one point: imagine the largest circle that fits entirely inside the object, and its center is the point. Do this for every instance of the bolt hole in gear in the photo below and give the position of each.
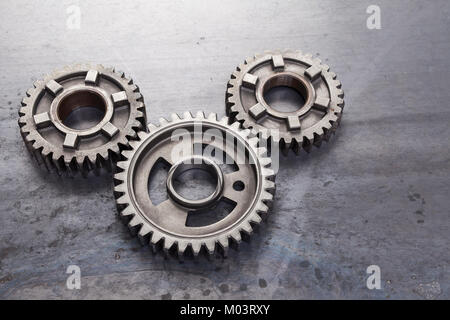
(182, 225)
(79, 118)
(312, 119)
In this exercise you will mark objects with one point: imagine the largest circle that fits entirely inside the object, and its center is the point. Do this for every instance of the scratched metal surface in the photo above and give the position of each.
(376, 194)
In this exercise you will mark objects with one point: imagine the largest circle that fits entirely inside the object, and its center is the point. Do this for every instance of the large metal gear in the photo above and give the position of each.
(164, 226)
(66, 149)
(311, 123)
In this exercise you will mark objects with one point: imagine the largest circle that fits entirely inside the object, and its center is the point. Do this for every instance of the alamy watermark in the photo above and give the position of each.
(374, 20)
(374, 279)
(74, 279)
(223, 147)
(73, 21)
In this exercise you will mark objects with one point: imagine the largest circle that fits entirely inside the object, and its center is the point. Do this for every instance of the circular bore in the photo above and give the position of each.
(291, 80)
(195, 162)
(311, 123)
(164, 225)
(79, 97)
(49, 103)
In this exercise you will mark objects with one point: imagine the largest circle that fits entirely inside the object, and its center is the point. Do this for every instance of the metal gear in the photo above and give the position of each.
(164, 226)
(65, 149)
(311, 123)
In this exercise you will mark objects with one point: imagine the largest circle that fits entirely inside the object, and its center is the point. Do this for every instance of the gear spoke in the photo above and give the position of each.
(170, 214)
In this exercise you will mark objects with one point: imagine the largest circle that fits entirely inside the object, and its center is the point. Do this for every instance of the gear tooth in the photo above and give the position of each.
(196, 246)
(134, 144)
(200, 115)
(120, 176)
(255, 218)
(127, 213)
(144, 234)
(136, 221)
(124, 199)
(91, 159)
(151, 127)
(245, 133)
(29, 92)
(240, 118)
(181, 247)
(156, 237)
(120, 189)
(122, 165)
(224, 120)
(223, 242)
(131, 133)
(235, 74)
(263, 134)
(247, 228)
(318, 134)
(266, 195)
(187, 115)
(212, 117)
(127, 154)
(235, 125)
(142, 135)
(175, 117)
(267, 172)
(269, 185)
(310, 136)
(45, 151)
(210, 246)
(262, 208)
(231, 83)
(318, 138)
(236, 235)
(262, 152)
(168, 243)
(333, 117)
(265, 162)
(253, 141)
(306, 144)
(163, 121)
(24, 106)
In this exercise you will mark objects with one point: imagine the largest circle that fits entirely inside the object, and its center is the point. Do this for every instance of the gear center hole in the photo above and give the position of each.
(285, 93)
(195, 183)
(81, 110)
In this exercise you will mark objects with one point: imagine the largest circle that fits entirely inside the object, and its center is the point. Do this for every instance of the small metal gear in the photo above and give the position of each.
(250, 186)
(49, 103)
(311, 123)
